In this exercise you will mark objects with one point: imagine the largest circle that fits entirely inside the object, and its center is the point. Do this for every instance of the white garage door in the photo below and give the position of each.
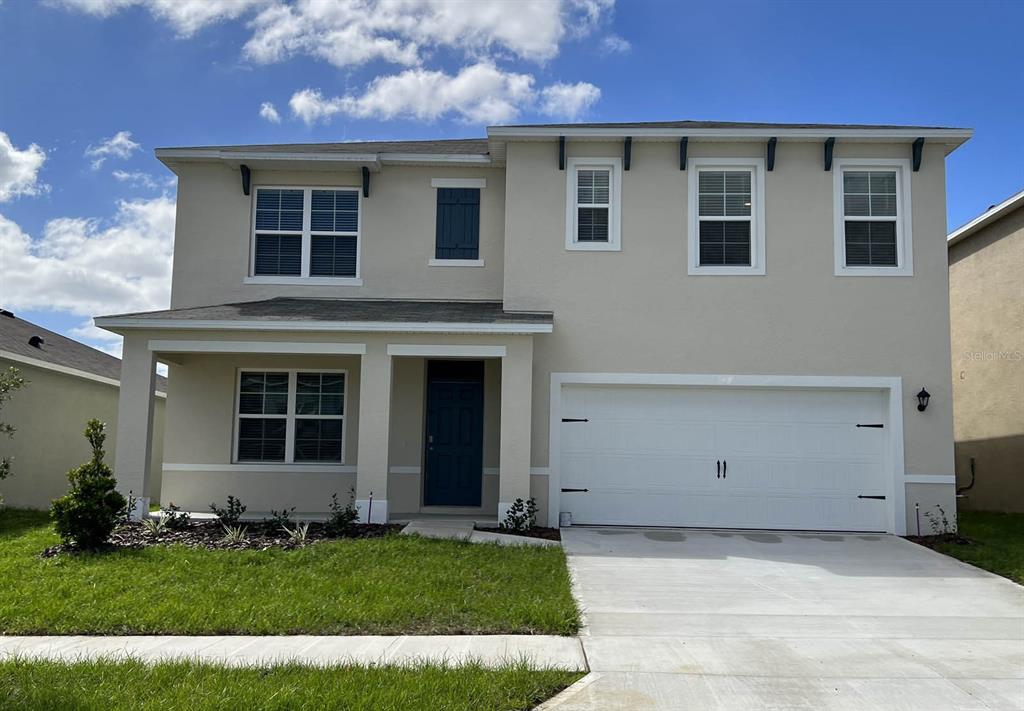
(724, 457)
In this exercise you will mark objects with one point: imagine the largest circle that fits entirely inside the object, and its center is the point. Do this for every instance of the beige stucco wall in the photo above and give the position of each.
(213, 236)
(986, 293)
(50, 415)
(638, 311)
(201, 420)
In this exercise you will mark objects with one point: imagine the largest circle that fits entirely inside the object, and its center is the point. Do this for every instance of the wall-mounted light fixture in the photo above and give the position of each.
(922, 400)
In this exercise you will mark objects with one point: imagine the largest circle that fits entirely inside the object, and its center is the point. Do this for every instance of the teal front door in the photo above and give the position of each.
(454, 434)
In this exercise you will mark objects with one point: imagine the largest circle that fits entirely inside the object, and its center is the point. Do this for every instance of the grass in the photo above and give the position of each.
(130, 684)
(997, 542)
(392, 585)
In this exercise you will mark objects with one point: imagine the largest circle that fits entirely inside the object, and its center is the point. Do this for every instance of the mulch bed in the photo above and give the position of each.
(551, 534)
(934, 541)
(210, 535)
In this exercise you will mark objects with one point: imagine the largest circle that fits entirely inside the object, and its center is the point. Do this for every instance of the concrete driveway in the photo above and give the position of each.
(683, 619)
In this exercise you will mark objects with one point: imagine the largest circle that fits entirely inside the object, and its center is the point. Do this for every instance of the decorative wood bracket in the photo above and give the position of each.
(682, 152)
(561, 152)
(830, 143)
(366, 182)
(771, 153)
(915, 151)
(627, 152)
(246, 179)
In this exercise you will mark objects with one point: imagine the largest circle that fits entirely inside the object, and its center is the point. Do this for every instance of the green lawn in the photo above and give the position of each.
(392, 585)
(180, 685)
(997, 542)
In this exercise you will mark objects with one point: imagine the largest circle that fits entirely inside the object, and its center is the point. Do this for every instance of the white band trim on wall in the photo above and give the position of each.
(268, 468)
(458, 182)
(930, 479)
(257, 347)
(445, 351)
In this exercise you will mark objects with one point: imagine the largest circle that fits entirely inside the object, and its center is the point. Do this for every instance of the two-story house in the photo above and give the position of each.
(665, 324)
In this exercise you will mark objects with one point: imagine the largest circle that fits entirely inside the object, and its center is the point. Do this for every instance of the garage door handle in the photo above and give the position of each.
(571, 491)
(725, 468)
(865, 496)
(718, 469)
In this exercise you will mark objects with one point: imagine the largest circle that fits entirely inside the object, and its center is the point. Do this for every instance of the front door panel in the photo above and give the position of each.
(454, 442)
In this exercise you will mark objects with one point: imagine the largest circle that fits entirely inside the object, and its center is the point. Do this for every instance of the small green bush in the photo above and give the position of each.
(521, 516)
(89, 512)
(342, 518)
(231, 515)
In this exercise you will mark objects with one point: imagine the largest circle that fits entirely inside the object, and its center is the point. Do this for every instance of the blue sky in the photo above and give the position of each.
(86, 222)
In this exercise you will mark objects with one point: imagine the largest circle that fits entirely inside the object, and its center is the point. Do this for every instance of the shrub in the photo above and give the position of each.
(342, 518)
(89, 512)
(521, 516)
(234, 534)
(155, 526)
(10, 381)
(177, 520)
(231, 515)
(297, 535)
(279, 519)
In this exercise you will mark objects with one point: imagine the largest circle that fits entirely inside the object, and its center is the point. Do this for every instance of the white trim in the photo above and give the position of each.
(989, 216)
(904, 224)
(291, 416)
(458, 182)
(614, 243)
(470, 158)
(930, 479)
(446, 351)
(757, 216)
(265, 468)
(435, 262)
(957, 135)
(304, 281)
(896, 495)
(65, 370)
(127, 322)
(306, 233)
(371, 160)
(257, 347)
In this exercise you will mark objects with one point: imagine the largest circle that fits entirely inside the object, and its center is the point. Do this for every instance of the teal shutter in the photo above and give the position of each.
(458, 223)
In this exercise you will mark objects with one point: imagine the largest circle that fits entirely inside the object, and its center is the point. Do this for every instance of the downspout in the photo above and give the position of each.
(960, 491)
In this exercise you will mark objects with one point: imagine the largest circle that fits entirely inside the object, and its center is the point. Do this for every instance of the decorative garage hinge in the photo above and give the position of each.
(875, 426)
(575, 419)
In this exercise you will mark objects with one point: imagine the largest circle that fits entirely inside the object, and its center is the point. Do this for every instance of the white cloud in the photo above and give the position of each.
(185, 16)
(480, 93)
(568, 100)
(120, 145)
(613, 44)
(88, 267)
(269, 112)
(19, 169)
(141, 179)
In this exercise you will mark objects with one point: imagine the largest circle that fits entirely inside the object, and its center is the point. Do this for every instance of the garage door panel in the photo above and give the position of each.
(796, 459)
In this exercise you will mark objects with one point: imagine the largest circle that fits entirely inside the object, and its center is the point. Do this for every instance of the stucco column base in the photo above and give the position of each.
(377, 512)
(374, 426)
(516, 399)
(136, 402)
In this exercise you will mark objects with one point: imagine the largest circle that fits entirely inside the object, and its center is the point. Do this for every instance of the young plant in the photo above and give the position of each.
(155, 526)
(279, 519)
(131, 502)
(521, 516)
(231, 515)
(10, 381)
(342, 518)
(89, 512)
(939, 522)
(234, 534)
(177, 520)
(298, 535)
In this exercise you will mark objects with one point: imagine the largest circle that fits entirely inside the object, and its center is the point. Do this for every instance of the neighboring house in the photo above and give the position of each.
(68, 383)
(666, 324)
(986, 296)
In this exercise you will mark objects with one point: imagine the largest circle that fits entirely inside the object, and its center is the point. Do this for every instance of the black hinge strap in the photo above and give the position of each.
(575, 419)
(863, 496)
(575, 490)
(875, 426)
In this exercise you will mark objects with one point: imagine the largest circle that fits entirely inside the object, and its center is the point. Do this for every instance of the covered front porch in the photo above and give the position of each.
(415, 409)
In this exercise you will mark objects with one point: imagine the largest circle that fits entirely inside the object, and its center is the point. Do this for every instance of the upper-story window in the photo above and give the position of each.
(457, 233)
(305, 234)
(726, 204)
(593, 199)
(872, 235)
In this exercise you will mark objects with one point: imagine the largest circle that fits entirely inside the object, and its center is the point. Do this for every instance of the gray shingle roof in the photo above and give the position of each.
(59, 350)
(461, 146)
(371, 310)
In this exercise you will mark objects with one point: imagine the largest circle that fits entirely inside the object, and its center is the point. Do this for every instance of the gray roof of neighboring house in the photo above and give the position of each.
(467, 146)
(370, 310)
(58, 350)
(992, 214)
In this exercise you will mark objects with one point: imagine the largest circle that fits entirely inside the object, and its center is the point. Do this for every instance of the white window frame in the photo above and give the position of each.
(572, 168)
(904, 233)
(307, 239)
(290, 416)
(757, 221)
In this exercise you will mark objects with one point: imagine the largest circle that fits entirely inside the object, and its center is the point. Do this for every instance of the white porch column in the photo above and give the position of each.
(516, 417)
(374, 422)
(135, 421)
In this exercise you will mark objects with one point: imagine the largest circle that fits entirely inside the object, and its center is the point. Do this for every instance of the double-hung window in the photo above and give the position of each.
(306, 234)
(872, 236)
(290, 416)
(593, 204)
(726, 204)
(457, 233)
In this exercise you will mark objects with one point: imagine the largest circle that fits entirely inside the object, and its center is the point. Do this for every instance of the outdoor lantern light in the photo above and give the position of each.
(922, 400)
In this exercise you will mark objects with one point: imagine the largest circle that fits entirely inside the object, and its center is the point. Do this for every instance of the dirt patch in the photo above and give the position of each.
(210, 534)
(550, 534)
(934, 541)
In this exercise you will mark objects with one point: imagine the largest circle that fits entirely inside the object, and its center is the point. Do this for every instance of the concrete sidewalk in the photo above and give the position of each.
(545, 651)
(466, 531)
